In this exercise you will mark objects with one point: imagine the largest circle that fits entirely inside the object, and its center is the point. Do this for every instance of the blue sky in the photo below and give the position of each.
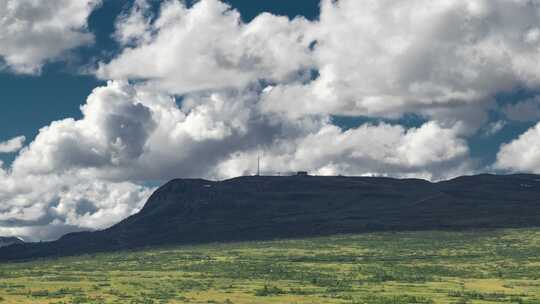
(102, 100)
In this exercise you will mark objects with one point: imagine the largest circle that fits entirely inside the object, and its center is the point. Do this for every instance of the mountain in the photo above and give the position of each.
(7, 241)
(189, 211)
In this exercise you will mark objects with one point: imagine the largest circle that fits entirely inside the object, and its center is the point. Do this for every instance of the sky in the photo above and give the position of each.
(101, 101)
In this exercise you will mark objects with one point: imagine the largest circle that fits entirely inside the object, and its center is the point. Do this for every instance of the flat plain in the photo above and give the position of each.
(483, 266)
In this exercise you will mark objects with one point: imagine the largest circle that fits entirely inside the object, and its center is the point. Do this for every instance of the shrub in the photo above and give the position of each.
(268, 291)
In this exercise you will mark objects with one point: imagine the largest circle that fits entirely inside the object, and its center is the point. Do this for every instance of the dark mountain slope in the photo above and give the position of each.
(7, 241)
(187, 211)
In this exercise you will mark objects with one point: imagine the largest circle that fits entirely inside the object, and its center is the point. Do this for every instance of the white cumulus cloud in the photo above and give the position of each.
(12, 145)
(429, 152)
(370, 58)
(521, 154)
(36, 32)
(207, 46)
(387, 57)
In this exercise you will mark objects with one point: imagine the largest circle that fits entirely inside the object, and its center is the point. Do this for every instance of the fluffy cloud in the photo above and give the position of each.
(43, 207)
(207, 46)
(59, 182)
(386, 58)
(130, 133)
(113, 132)
(521, 154)
(429, 151)
(372, 58)
(35, 32)
(12, 145)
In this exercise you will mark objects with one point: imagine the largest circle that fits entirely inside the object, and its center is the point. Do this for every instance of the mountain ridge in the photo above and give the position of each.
(7, 241)
(193, 211)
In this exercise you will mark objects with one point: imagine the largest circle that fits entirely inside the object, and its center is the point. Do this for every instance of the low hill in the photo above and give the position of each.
(7, 241)
(189, 211)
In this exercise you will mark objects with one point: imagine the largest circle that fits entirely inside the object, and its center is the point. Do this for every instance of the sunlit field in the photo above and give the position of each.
(500, 266)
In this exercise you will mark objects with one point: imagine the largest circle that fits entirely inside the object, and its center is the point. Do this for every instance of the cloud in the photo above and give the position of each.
(369, 58)
(44, 207)
(36, 32)
(206, 46)
(521, 154)
(113, 132)
(12, 145)
(379, 58)
(428, 151)
(494, 128)
(131, 133)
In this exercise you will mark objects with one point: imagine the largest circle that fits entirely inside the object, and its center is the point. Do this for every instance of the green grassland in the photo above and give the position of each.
(500, 266)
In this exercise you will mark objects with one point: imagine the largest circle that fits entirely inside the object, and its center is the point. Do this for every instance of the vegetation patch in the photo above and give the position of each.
(476, 267)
